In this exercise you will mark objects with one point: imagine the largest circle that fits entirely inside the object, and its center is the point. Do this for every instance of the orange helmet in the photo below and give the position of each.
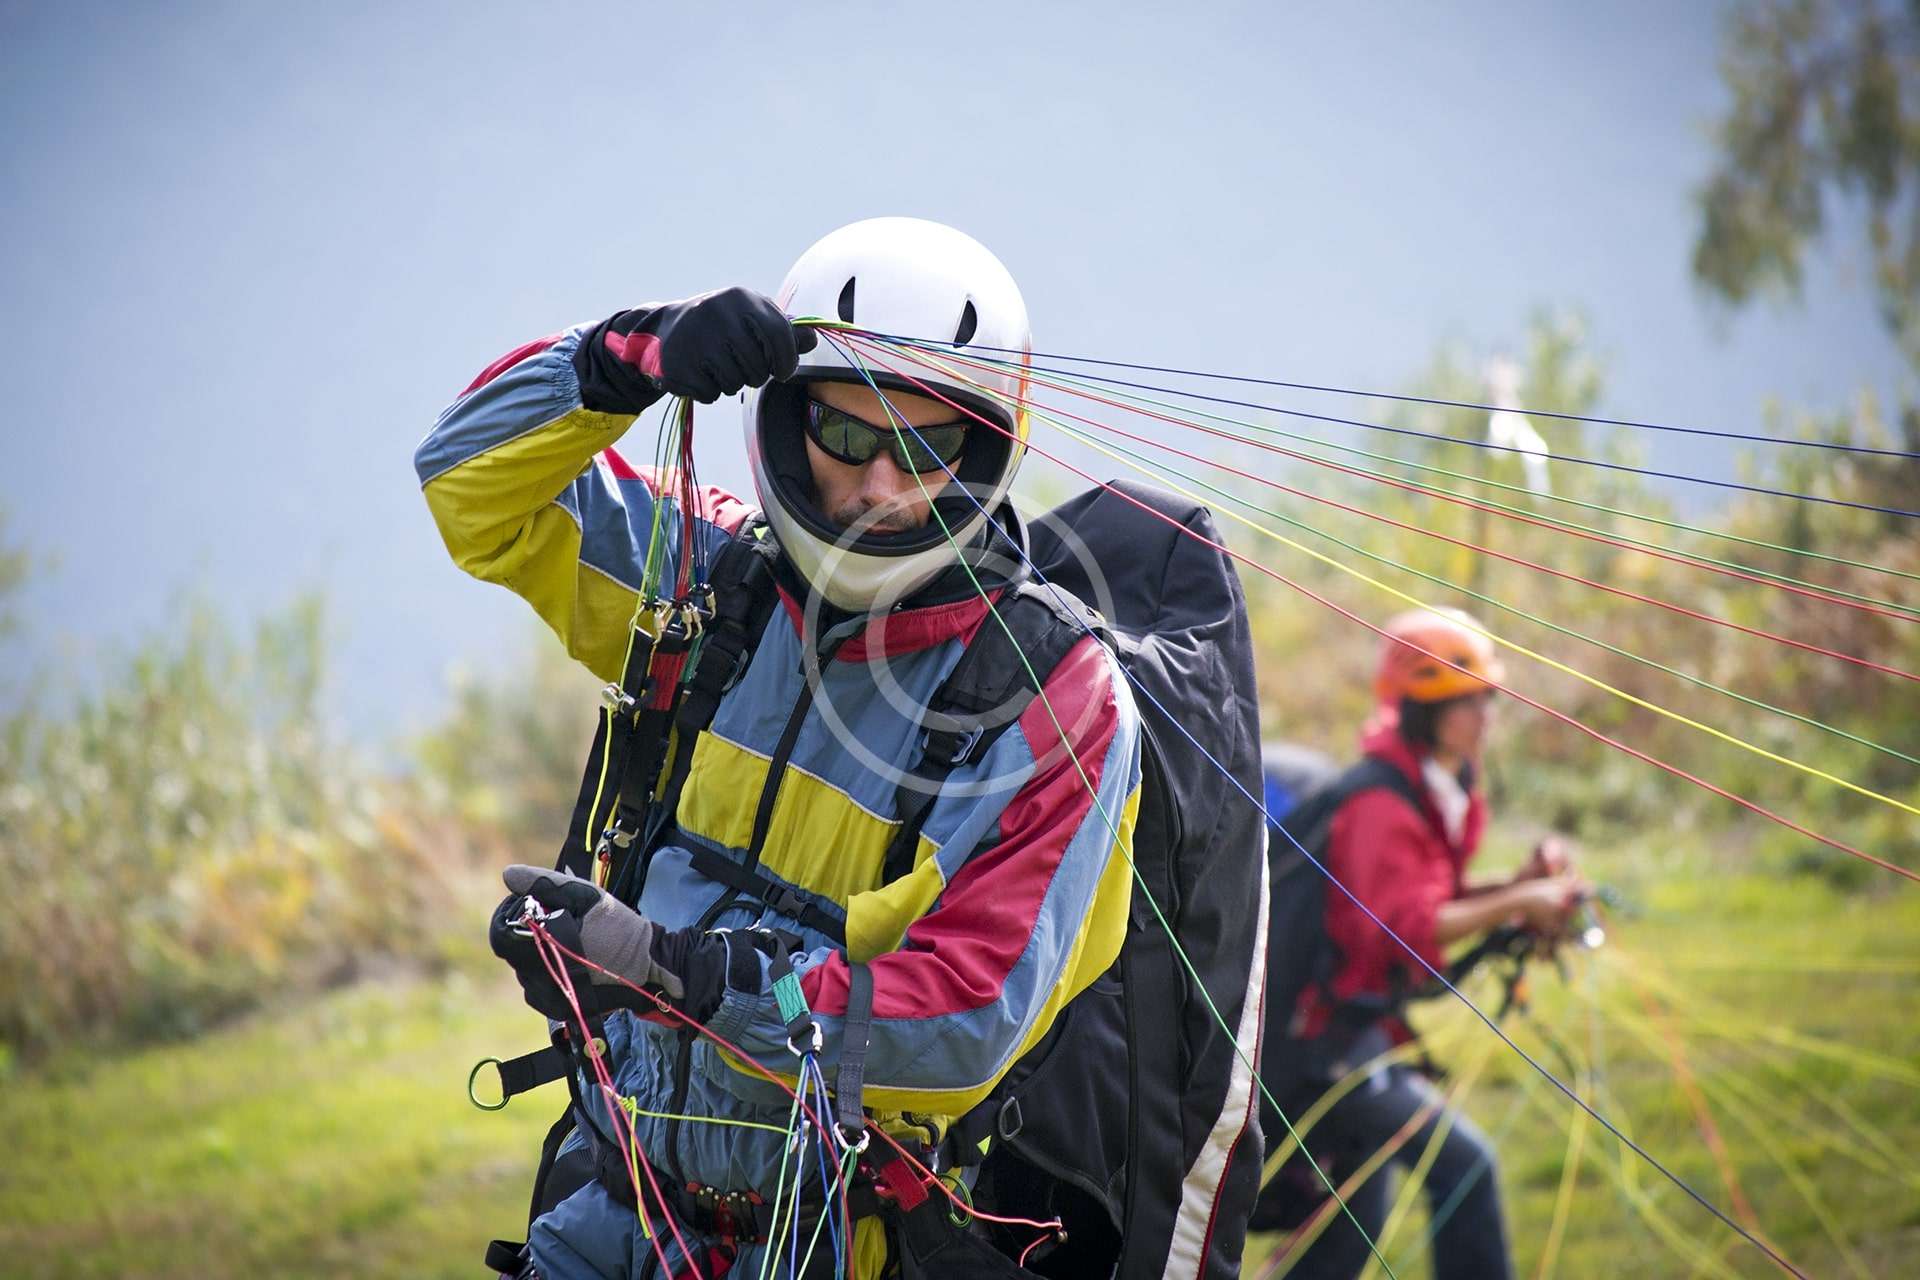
(1408, 672)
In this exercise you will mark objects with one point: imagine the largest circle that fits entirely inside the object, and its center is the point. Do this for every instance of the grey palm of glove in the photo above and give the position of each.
(611, 934)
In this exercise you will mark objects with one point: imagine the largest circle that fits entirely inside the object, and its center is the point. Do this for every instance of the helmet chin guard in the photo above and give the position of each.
(915, 279)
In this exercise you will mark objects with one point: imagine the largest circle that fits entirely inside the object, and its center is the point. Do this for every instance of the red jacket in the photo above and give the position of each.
(1399, 861)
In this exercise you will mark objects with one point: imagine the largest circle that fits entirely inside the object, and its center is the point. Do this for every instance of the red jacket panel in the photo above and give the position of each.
(1400, 863)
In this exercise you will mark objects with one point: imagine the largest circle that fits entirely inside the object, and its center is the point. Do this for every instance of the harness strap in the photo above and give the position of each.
(744, 596)
(609, 773)
(913, 805)
(531, 1070)
(549, 1156)
(856, 1030)
(803, 1033)
(506, 1257)
(765, 889)
(630, 742)
(985, 694)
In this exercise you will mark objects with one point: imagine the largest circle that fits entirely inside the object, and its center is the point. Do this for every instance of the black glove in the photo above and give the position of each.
(704, 347)
(588, 922)
(692, 970)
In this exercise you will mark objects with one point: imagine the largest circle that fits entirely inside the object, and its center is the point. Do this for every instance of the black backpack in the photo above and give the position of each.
(1134, 1086)
(1132, 1118)
(1300, 954)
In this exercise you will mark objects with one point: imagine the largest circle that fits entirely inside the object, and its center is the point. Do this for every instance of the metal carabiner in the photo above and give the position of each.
(819, 1042)
(530, 911)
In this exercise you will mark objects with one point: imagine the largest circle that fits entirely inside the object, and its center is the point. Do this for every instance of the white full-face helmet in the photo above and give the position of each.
(909, 278)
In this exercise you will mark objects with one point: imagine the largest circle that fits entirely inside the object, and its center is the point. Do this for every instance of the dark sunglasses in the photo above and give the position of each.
(855, 441)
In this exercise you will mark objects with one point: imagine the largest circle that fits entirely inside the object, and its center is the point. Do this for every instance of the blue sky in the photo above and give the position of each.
(250, 250)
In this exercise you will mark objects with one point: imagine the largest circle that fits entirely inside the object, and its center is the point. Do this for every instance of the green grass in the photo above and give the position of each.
(335, 1137)
(1794, 1006)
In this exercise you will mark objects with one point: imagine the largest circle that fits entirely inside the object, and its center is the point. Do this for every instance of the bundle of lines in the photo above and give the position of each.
(1076, 400)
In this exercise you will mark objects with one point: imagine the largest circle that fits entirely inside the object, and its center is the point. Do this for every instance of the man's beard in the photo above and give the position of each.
(897, 518)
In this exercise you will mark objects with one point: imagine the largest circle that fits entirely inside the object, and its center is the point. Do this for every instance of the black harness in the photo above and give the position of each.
(674, 679)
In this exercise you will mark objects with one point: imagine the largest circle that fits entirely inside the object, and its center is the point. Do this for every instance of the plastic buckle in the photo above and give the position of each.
(733, 645)
(617, 700)
(963, 749)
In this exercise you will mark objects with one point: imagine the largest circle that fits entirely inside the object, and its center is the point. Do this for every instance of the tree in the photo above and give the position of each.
(1826, 109)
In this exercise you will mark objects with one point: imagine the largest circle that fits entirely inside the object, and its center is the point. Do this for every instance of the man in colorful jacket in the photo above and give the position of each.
(1019, 889)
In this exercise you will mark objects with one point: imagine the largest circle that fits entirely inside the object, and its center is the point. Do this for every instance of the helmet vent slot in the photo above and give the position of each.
(969, 321)
(846, 301)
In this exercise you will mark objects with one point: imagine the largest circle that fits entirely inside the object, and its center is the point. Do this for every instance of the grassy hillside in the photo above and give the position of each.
(1786, 1007)
(1751, 1019)
(332, 1140)
(335, 1137)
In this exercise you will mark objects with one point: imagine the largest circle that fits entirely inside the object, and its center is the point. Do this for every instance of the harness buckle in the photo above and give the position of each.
(737, 661)
(787, 902)
(618, 700)
(958, 753)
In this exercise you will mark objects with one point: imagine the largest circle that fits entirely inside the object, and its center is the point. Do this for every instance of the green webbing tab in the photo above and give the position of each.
(786, 990)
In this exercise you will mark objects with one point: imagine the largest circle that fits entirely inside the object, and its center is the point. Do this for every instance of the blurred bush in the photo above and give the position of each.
(187, 840)
(1316, 665)
(509, 753)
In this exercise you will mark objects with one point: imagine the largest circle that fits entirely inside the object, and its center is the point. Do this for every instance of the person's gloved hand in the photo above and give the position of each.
(1544, 905)
(1552, 856)
(704, 347)
(588, 922)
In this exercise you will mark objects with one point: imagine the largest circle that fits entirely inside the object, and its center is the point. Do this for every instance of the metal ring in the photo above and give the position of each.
(474, 1075)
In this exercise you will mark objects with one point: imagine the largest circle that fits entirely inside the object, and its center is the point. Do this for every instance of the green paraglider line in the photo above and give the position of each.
(1681, 476)
(922, 388)
(1077, 384)
(1412, 399)
(1390, 563)
(1554, 664)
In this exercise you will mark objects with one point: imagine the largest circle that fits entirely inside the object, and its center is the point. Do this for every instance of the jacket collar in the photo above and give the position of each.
(948, 608)
(1383, 740)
